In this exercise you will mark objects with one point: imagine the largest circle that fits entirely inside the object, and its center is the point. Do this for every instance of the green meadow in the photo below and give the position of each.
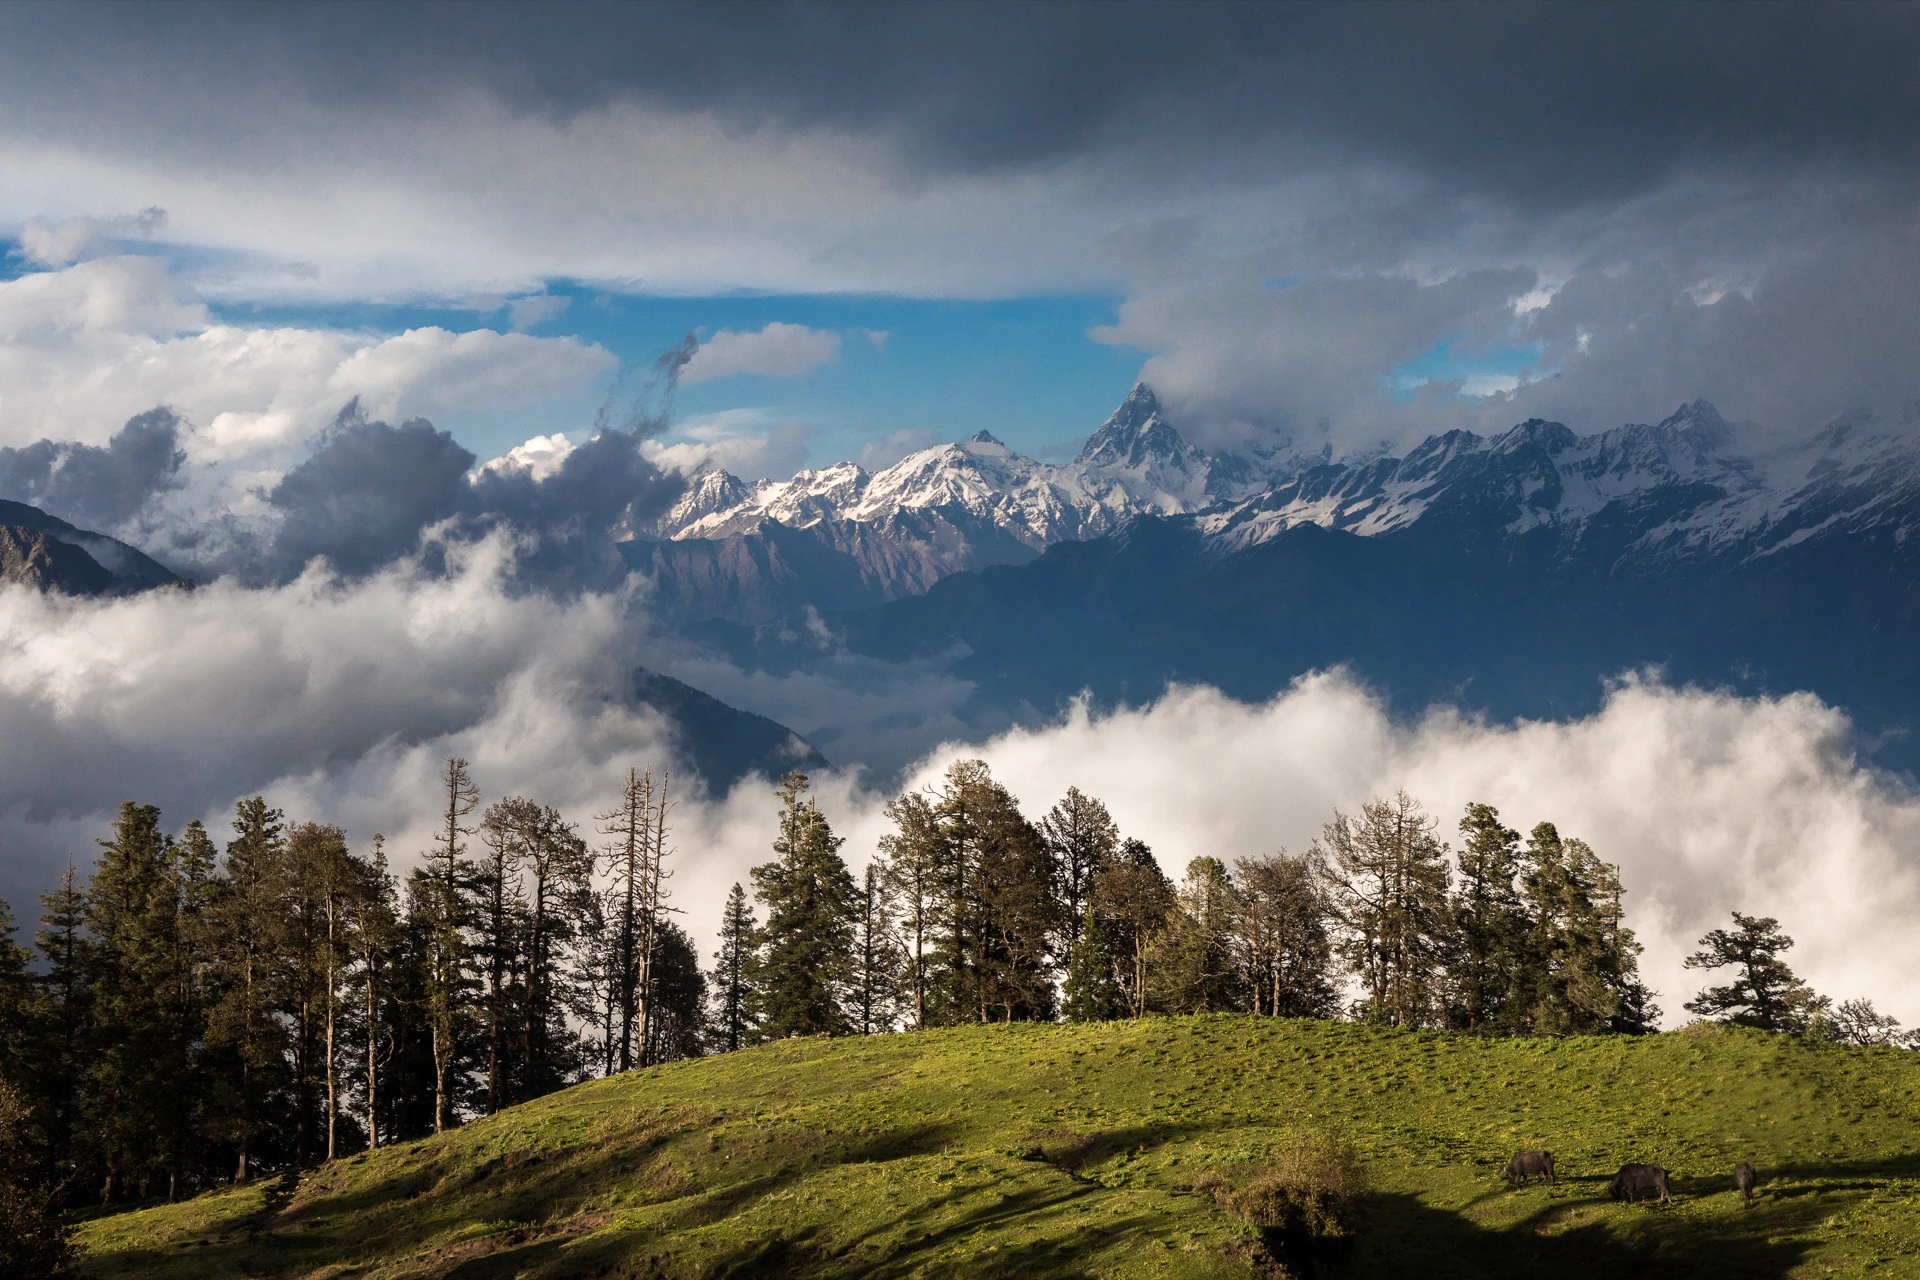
(1108, 1150)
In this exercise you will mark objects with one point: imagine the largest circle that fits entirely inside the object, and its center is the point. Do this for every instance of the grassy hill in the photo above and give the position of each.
(1091, 1151)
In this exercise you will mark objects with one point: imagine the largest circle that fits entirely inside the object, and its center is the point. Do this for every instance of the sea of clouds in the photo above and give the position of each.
(339, 701)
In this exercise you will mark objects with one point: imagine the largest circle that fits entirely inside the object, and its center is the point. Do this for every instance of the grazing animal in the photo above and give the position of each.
(1743, 1183)
(1529, 1164)
(1636, 1180)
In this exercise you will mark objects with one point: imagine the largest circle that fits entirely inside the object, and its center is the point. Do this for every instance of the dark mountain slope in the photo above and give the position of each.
(46, 552)
(1439, 611)
(724, 743)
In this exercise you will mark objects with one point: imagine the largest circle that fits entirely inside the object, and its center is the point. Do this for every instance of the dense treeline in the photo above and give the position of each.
(190, 1014)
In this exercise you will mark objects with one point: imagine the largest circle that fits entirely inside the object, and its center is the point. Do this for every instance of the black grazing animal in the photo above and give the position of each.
(1529, 1164)
(1636, 1180)
(1743, 1183)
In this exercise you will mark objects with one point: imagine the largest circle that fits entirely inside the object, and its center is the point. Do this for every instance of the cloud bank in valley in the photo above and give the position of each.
(339, 701)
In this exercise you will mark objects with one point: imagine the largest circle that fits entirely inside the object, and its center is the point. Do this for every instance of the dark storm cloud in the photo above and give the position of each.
(1536, 105)
(370, 489)
(366, 492)
(94, 486)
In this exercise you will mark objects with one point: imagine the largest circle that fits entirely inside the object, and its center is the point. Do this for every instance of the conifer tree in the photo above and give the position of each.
(559, 870)
(373, 948)
(131, 914)
(677, 1026)
(33, 1234)
(1082, 839)
(1091, 994)
(919, 878)
(1579, 970)
(1492, 926)
(246, 926)
(734, 998)
(805, 951)
(1388, 877)
(495, 882)
(1765, 992)
(63, 1009)
(1281, 931)
(1132, 897)
(876, 957)
(1192, 962)
(444, 904)
(1002, 908)
(16, 1001)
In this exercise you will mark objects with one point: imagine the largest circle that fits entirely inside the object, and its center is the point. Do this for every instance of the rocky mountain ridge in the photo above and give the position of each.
(1692, 485)
(46, 552)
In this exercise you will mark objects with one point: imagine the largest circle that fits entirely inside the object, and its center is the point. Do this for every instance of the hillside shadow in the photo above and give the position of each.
(1406, 1237)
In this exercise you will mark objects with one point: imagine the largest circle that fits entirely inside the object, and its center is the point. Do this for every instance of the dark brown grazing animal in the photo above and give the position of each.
(1636, 1180)
(1529, 1164)
(1743, 1183)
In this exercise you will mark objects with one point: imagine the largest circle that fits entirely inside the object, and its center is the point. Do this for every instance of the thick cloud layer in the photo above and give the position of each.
(339, 701)
(94, 486)
(1647, 203)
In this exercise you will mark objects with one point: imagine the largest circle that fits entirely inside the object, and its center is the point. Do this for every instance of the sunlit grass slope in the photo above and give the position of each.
(1075, 1151)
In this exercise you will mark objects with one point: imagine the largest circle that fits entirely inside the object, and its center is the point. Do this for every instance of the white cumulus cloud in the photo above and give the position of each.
(780, 350)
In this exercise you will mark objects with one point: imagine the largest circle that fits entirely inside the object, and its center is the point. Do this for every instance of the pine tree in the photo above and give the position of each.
(1492, 926)
(559, 870)
(373, 948)
(63, 1011)
(1191, 963)
(805, 951)
(246, 924)
(1082, 839)
(876, 957)
(919, 876)
(444, 903)
(131, 915)
(495, 884)
(16, 1001)
(1280, 928)
(1091, 994)
(33, 1236)
(734, 1019)
(1764, 992)
(1002, 909)
(1132, 897)
(677, 1027)
(1388, 876)
(1579, 969)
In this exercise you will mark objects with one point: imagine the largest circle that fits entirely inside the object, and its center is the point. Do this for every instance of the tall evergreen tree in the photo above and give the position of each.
(1090, 993)
(1280, 929)
(1765, 992)
(877, 960)
(498, 938)
(919, 878)
(373, 950)
(734, 1019)
(1388, 877)
(444, 905)
(1132, 897)
(246, 924)
(1002, 911)
(63, 1009)
(1082, 839)
(677, 1026)
(16, 1001)
(1579, 971)
(130, 1085)
(559, 872)
(1492, 925)
(805, 949)
(1192, 962)
(33, 1232)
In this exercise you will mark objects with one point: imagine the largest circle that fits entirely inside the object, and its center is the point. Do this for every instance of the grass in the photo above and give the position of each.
(1090, 1151)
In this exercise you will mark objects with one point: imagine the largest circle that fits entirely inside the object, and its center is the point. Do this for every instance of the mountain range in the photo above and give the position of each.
(1512, 574)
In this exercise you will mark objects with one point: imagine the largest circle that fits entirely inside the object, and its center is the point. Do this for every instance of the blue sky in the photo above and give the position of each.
(1023, 368)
